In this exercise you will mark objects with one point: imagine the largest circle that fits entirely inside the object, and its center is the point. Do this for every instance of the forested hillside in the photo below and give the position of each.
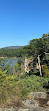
(10, 52)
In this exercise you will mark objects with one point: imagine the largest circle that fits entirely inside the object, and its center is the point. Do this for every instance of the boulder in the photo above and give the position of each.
(30, 103)
(39, 95)
(48, 103)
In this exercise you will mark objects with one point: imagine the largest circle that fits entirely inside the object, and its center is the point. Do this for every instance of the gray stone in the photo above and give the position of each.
(48, 103)
(23, 109)
(11, 109)
(30, 103)
(0, 109)
(39, 94)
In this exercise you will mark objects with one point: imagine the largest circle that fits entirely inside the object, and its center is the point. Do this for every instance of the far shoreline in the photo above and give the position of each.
(12, 57)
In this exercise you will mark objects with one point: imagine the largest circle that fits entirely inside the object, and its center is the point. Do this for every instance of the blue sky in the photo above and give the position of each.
(22, 21)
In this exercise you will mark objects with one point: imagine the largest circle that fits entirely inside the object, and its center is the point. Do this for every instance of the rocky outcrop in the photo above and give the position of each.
(36, 101)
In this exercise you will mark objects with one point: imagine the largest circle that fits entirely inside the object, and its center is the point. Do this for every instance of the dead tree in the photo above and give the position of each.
(39, 65)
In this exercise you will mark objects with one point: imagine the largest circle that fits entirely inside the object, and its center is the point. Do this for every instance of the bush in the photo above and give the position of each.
(45, 71)
(24, 92)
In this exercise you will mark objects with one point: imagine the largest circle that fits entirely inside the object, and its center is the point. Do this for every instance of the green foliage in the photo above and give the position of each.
(6, 67)
(19, 68)
(11, 87)
(10, 52)
(45, 71)
(32, 83)
(24, 92)
(20, 62)
(7, 86)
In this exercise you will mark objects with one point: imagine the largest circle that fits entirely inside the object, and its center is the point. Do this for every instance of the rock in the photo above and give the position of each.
(38, 101)
(23, 109)
(30, 103)
(48, 103)
(0, 109)
(39, 95)
(34, 109)
(11, 109)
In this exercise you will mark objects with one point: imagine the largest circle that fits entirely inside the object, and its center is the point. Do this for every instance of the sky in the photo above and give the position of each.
(22, 21)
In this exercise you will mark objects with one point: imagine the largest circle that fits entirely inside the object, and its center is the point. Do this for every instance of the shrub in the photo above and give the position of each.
(45, 71)
(25, 92)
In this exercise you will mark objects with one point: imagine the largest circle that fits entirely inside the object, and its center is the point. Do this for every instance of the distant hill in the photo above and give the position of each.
(12, 47)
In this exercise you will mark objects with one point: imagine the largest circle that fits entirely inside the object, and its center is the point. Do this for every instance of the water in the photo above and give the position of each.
(12, 62)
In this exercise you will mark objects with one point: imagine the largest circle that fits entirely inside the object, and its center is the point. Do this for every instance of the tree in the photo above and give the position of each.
(38, 49)
(18, 67)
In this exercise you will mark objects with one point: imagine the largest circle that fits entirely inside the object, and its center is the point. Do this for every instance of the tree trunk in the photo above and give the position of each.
(39, 66)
